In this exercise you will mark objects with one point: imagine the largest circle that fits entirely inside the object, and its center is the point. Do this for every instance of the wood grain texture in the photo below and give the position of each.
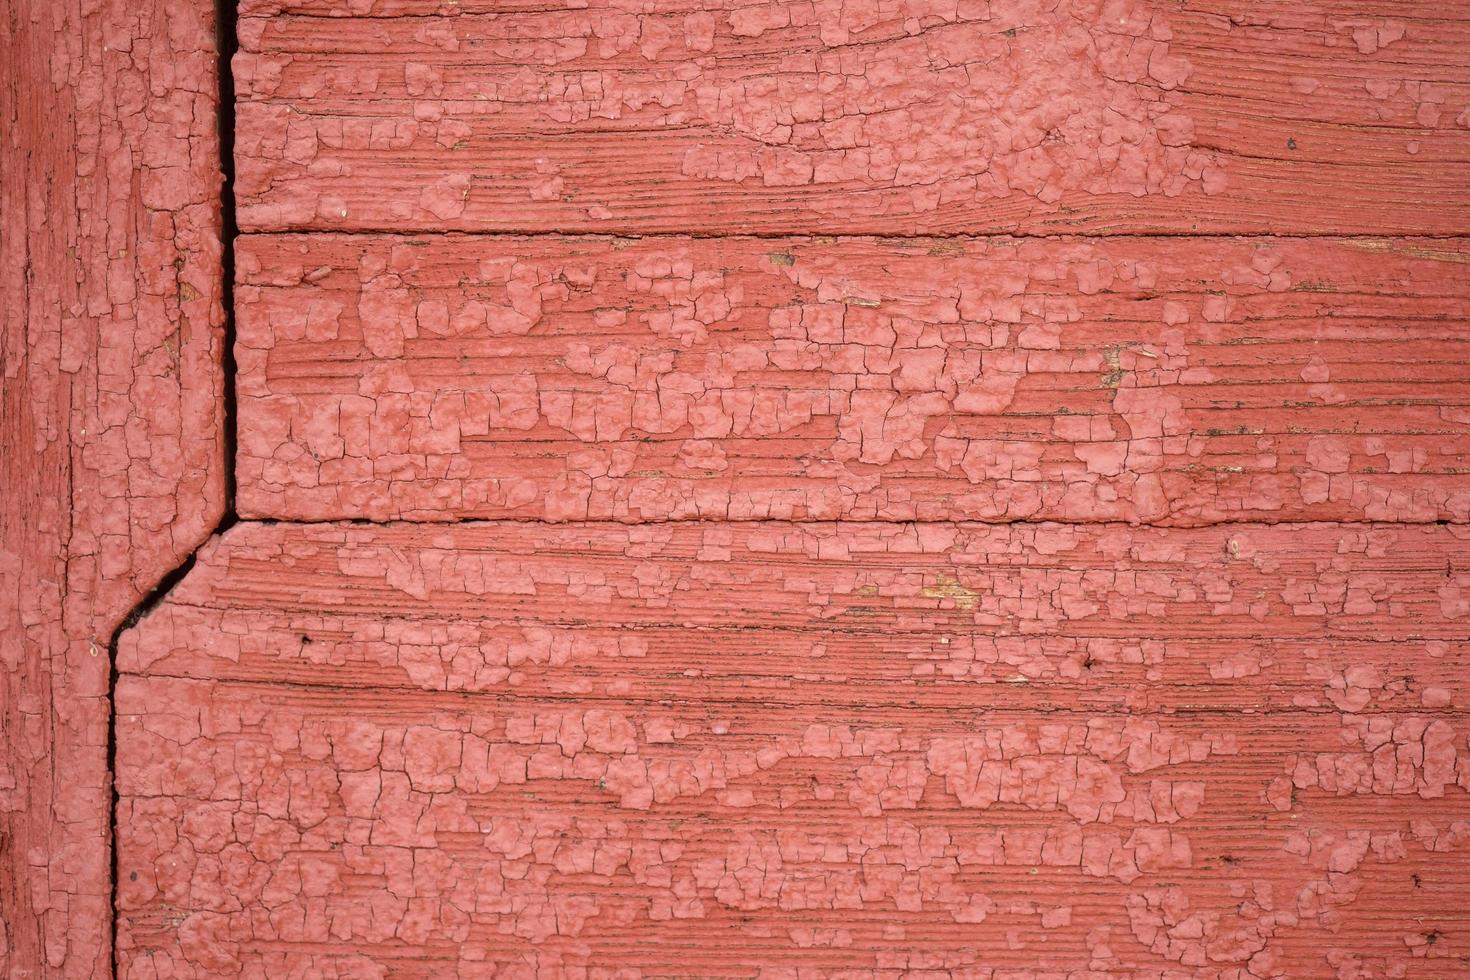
(752, 749)
(1150, 380)
(110, 417)
(917, 116)
(1168, 705)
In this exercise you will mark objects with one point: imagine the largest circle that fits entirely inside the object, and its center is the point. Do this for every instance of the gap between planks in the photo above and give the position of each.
(917, 239)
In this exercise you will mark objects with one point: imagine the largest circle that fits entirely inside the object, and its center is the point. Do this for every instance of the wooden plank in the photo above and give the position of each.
(1177, 381)
(110, 417)
(408, 838)
(907, 118)
(921, 614)
(712, 749)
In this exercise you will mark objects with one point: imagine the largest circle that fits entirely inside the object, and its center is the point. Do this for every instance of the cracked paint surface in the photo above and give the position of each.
(110, 417)
(501, 749)
(1149, 380)
(728, 692)
(886, 116)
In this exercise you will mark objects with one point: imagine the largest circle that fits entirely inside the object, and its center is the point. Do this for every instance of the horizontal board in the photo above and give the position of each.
(407, 751)
(1248, 617)
(1174, 381)
(923, 116)
(356, 834)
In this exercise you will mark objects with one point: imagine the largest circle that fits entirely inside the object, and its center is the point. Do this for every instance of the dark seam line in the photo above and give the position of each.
(263, 520)
(612, 234)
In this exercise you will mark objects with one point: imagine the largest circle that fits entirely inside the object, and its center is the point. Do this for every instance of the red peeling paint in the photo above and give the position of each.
(859, 515)
(110, 417)
(854, 116)
(1134, 379)
(747, 748)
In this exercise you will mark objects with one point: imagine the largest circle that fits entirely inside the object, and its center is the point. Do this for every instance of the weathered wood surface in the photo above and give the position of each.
(920, 116)
(1155, 380)
(742, 749)
(110, 417)
(1168, 707)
